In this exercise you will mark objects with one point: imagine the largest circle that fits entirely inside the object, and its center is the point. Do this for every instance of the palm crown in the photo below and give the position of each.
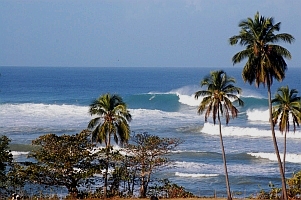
(218, 95)
(113, 119)
(265, 62)
(265, 58)
(287, 105)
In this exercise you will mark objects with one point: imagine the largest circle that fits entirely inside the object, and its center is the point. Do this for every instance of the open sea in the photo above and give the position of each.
(39, 100)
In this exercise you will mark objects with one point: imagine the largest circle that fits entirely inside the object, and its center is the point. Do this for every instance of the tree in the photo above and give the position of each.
(265, 61)
(62, 161)
(113, 119)
(287, 106)
(148, 152)
(217, 100)
(6, 159)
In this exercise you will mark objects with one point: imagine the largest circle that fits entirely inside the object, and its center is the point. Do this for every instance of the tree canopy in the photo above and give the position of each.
(148, 154)
(6, 159)
(66, 160)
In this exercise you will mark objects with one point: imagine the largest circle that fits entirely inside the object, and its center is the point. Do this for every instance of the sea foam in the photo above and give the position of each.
(212, 129)
(195, 175)
(293, 158)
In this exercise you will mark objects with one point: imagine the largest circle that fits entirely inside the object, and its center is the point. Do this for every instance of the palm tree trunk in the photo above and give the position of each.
(284, 194)
(224, 159)
(105, 187)
(108, 147)
(284, 152)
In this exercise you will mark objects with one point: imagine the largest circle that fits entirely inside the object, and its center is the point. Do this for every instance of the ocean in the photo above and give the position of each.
(40, 100)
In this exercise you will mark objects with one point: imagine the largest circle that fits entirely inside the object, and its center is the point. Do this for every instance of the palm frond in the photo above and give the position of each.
(287, 104)
(94, 122)
(265, 58)
(112, 112)
(215, 100)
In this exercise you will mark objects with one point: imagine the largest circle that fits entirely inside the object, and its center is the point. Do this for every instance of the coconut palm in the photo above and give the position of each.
(217, 100)
(287, 106)
(113, 119)
(265, 61)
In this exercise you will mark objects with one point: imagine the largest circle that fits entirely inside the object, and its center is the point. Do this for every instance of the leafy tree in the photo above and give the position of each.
(265, 61)
(148, 152)
(217, 100)
(6, 159)
(287, 106)
(62, 161)
(113, 119)
(127, 173)
(15, 178)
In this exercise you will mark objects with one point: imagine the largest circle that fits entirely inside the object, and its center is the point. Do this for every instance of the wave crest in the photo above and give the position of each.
(293, 158)
(212, 129)
(194, 175)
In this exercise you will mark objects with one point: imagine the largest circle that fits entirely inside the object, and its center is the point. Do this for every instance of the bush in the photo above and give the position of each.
(166, 189)
(294, 185)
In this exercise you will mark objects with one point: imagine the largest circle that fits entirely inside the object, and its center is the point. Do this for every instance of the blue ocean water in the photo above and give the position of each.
(39, 100)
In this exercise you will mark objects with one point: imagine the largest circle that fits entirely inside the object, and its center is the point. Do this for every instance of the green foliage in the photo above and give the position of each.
(148, 155)
(294, 185)
(166, 189)
(287, 106)
(15, 177)
(6, 164)
(5, 157)
(265, 58)
(274, 193)
(113, 159)
(62, 161)
(217, 97)
(217, 101)
(113, 118)
(265, 61)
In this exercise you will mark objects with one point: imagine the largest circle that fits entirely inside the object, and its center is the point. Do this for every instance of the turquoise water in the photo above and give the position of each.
(40, 100)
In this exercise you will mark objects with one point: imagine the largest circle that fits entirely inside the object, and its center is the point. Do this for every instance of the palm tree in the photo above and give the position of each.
(217, 100)
(287, 105)
(113, 119)
(265, 61)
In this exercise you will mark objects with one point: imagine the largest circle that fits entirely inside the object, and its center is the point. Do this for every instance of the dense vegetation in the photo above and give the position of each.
(74, 162)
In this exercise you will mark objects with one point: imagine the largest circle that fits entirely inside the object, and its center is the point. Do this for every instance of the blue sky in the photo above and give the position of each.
(134, 33)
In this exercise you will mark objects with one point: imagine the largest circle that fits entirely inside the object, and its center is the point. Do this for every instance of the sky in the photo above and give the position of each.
(135, 33)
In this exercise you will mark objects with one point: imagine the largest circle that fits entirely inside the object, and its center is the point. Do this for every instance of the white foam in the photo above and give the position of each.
(212, 129)
(31, 114)
(252, 93)
(293, 158)
(19, 153)
(186, 90)
(196, 166)
(35, 116)
(189, 100)
(158, 117)
(258, 115)
(237, 169)
(194, 175)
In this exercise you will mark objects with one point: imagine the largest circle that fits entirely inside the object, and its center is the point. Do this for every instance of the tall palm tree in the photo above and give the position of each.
(288, 105)
(265, 61)
(113, 119)
(217, 100)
